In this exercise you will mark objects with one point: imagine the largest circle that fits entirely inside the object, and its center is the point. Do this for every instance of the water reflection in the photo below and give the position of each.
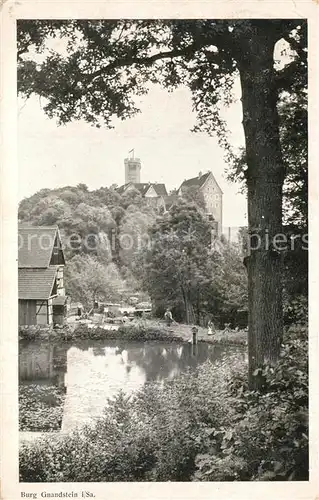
(44, 364)
(92, 371)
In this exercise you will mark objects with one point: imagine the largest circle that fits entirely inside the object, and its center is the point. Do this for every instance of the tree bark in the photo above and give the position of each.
(265, 176)
(191, 313)
(185, 304)
(189, 310)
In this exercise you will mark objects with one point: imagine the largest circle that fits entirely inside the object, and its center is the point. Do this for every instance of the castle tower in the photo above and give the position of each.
(132, 170)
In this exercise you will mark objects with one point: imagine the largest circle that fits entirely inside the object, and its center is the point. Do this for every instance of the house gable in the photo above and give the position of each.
(193, 182)
(198, 182)
(57, 256)
(210, 179)
(150, 192)
(213, 198)
(211, 192)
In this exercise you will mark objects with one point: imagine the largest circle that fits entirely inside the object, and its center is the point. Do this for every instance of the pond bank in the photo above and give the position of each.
(143, 330)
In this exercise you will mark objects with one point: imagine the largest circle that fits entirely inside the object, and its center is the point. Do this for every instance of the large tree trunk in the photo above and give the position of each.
(189, 310)
(265, 177)
(185, 304)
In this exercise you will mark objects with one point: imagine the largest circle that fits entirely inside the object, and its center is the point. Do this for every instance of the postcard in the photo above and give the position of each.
(158, 317)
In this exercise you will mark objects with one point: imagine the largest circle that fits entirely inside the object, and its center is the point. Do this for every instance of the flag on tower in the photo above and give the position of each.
(132, 151)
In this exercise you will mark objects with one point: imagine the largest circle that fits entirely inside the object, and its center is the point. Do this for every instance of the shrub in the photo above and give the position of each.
(125, 332)
(142, 332)
(44, 332)
(268, 439)
(154, 435)
(296, 311)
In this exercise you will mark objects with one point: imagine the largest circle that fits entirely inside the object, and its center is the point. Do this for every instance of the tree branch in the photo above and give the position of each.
(147, 60)
(23, 49)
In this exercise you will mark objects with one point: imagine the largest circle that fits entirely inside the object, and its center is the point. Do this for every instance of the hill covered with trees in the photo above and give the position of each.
(118, 245)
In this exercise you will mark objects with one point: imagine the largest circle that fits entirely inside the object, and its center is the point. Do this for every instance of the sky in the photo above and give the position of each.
(52, 156)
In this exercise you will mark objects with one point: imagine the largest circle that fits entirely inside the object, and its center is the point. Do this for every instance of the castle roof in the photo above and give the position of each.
(121, 189)
(195, 181)
(143, 187)
(160, 189)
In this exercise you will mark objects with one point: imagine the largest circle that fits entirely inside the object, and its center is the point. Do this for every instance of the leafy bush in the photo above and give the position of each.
(124, 332)
(127, 332)
(44, 332)
(296, 311)
(204, 426)
(268, 439)
(40, 408)
(142, 332)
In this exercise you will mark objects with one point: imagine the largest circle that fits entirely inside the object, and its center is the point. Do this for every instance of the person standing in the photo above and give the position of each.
(210, 328)
(168, 317)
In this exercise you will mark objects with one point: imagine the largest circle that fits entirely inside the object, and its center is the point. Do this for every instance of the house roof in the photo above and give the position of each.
(143, 187)
(195, 181)
(121, 189)
(36, 284)
(160, 189)
(140, 186)
(198, 181)
(36, 246)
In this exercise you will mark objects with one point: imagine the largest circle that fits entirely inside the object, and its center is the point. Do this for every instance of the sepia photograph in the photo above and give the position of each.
(162, 241)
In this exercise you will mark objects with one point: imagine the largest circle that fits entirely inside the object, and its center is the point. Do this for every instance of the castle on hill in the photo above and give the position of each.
(156, 193)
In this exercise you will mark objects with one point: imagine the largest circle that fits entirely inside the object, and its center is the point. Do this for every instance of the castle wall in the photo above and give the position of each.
(214, 200)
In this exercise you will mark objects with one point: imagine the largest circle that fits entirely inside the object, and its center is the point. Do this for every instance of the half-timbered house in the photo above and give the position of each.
(42, 299)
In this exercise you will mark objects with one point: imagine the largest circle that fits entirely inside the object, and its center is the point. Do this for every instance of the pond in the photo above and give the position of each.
(89, 372)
